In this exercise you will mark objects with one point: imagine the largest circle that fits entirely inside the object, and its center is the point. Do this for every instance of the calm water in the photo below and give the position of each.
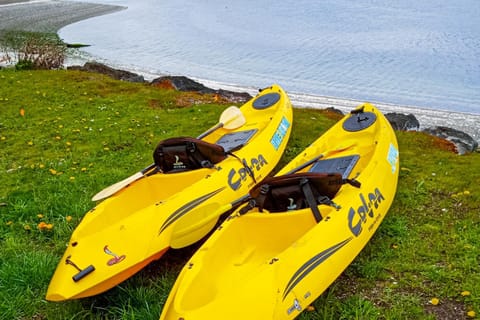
(420, 53)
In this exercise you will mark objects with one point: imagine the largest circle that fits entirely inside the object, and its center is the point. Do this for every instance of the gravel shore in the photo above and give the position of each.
(48, 16)
(51, 15)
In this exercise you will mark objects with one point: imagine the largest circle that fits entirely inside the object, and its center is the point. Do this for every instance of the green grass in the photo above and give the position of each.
(81, 132)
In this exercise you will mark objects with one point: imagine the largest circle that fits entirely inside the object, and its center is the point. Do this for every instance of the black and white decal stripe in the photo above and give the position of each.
(186, 208)
(311, 264)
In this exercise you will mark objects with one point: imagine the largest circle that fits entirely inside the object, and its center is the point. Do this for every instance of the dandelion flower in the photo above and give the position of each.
(68, 143)
(83, 169)
(465, 293)
(30, 143)
(434, 301)
(42, 225)
(40, 216)
(41, 166)
(27, 227)
(49, 226)
(471, 314)
(68, 218)
(72, 178)
(53, 171)
(466, 192)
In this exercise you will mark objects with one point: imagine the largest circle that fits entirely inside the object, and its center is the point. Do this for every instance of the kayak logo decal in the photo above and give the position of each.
(186, 208)
(178, 164)
(311, 264)
(356, 218)
(236, 177)
(116, 258)
(280, 133)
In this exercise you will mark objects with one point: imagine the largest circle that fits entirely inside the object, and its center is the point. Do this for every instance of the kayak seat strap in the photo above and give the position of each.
(296, 191)
(185, 153)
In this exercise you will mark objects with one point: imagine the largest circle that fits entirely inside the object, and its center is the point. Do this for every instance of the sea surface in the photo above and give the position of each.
(413, 53)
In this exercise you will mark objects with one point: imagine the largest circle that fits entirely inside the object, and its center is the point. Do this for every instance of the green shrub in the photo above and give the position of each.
(33, 50)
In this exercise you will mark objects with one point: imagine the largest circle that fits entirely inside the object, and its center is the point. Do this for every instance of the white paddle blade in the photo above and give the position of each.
(232, 118)
(114, 188)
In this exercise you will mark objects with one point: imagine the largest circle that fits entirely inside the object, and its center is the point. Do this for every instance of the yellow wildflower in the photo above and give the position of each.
(68, 143)
(27, 227)
(9, 223)
(471, 314)
(68, 218)
(39, 216)
(466, 192)
(310, 308)
(434, 301)
(465, 293)
(53, 171)
(30, 143)
(41, 166)
(72, 178)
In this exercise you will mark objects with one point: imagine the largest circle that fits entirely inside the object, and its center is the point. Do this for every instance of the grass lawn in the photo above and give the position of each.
(65, 135)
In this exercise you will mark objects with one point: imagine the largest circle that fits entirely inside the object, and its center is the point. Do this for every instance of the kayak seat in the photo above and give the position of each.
(296, 191)
(185, 153)
(235, 140)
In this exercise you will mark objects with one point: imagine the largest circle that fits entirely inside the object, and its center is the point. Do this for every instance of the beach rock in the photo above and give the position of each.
(182, 83)
(463, 142)
(334, 110)
(111, 72)
(403, 122)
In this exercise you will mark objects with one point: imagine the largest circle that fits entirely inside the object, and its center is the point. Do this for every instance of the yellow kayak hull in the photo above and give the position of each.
(272, 265)
(136, 225)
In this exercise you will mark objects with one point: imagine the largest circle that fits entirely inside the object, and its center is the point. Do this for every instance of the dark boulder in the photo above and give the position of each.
(463, 142)
(182, 83)
(403, 122)
(111, 72)
(334, 110)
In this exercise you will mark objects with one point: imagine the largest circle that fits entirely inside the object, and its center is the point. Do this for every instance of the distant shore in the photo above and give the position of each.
(47, 15)
(50, 16)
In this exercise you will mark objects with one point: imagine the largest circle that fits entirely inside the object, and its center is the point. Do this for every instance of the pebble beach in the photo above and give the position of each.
(52, 15)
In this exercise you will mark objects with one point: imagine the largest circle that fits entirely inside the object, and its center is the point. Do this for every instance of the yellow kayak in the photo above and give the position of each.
(273, 257)
(176, 201)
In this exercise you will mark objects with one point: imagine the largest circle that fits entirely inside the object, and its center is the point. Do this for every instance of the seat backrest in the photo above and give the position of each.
(185, 153)
(284, 193)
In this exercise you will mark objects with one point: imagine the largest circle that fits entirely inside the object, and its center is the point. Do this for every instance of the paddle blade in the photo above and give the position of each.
(232, 118)
(114, 188)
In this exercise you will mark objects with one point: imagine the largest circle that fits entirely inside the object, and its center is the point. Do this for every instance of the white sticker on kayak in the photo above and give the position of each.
(392, 157)
(280, 133)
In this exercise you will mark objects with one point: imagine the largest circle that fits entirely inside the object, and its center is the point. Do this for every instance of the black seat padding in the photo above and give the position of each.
(185, 153)
(296, 191)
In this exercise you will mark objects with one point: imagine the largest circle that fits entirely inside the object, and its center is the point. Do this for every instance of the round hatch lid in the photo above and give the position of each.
(359, 121)
(267, 100)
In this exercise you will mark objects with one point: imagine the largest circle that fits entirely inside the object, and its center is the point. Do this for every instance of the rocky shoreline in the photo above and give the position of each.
(463, 130)
(462, 143)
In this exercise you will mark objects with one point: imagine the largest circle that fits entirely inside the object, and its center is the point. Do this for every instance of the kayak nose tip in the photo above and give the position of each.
(55, 297)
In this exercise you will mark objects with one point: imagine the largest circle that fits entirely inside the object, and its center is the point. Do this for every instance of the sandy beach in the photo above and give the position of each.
(51, 15)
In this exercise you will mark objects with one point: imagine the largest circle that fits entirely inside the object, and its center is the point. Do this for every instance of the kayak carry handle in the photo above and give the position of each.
(81, 273)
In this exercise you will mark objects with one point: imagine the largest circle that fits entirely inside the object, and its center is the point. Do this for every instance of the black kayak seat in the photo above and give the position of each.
(296, 191)
(185, 153)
